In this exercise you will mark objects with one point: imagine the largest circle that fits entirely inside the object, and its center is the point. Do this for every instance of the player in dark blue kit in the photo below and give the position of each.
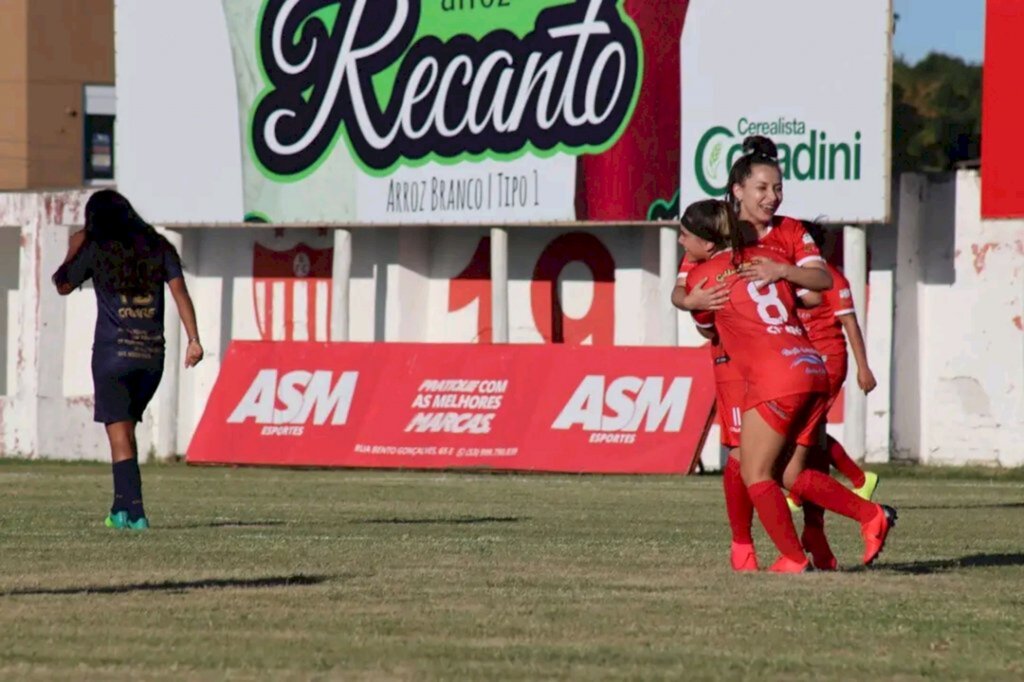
(128, 262)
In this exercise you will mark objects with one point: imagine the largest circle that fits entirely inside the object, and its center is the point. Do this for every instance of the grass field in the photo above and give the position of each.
(277, 574)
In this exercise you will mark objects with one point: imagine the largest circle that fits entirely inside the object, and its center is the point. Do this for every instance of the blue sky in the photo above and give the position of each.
(955, 27)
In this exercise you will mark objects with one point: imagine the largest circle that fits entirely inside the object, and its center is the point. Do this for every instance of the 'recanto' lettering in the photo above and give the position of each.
(571, 81)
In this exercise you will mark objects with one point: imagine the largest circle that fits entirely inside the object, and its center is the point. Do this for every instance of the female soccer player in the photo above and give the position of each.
(755, 193)
(128, 262)
(786, 386)
(825, 325)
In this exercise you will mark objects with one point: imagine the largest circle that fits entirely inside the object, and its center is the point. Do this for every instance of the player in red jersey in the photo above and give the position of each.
(825, 325)
(786, 382)
(755, 193)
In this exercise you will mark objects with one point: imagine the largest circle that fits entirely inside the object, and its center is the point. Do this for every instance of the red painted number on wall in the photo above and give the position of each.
(596, 326)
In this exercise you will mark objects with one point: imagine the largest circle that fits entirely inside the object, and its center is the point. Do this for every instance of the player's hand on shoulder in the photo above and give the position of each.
(709, 298)
(194, 353)
(763, 270)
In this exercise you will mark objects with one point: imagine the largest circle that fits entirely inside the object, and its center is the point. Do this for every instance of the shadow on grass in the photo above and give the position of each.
(454, 520)
(997, 505)
(222, 523)
(175, 586)
(941, 565)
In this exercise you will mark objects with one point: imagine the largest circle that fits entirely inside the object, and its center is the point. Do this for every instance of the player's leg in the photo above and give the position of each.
(813, 535)
(127, 508)
(738, 506)
(142, 383)
(824, 491)
(761, 447)
(864, 482)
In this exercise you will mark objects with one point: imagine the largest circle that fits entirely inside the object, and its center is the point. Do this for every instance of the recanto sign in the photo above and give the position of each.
(402, 85)
(805, 153)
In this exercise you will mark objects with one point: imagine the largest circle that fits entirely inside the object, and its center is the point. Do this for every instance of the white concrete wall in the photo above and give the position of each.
(958, 394)
(944, 321)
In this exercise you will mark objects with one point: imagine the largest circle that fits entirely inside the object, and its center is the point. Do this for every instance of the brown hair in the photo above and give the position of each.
(715, 221)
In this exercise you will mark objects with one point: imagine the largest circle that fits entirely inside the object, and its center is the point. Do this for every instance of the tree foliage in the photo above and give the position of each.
(936, 113)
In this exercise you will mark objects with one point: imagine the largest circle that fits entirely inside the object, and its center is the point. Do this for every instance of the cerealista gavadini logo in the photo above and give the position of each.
(805, 153)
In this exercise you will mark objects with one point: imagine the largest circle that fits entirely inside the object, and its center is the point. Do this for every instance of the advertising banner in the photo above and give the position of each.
(424, 111)
(812, 76)
(1002, 183)
(510, 407)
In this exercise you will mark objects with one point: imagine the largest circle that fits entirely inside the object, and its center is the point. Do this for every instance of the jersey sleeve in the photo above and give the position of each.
(840, 296)
(802, 246)
(172, 265)
(79, 269)
(705, 319)
(686, 266)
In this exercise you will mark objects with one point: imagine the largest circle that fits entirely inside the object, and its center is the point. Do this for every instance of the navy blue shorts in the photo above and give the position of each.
(123, 390)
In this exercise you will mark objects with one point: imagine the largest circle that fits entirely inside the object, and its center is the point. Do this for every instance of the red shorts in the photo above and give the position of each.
(797, 417)
(729, 397)
(836, 367)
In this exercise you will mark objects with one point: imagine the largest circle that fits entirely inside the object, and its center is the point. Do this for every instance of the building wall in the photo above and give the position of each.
(13, 96)
(959, 337)
(50, 51)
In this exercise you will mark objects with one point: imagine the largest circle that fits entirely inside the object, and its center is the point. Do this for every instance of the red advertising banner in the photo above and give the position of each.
(1002, 180)
(510, 407)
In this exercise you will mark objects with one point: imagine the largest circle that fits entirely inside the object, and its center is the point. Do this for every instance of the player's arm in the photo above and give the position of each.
(865, 377)
(187, 313)
(704, 320)
(700, 297)
(75, 269)
(812, 275)
(808, 299)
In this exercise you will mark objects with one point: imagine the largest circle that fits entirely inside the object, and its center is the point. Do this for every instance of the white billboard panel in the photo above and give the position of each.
(814, 76)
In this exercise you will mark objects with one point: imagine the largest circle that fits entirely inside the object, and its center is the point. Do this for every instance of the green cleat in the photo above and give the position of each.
(793, 506)
(867, 491)
(116, 520)
(140, 523)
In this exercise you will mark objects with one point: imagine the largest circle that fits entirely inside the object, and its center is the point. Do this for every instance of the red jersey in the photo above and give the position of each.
(822, 321)
(724, 371)
(788, 238)
(759, 326)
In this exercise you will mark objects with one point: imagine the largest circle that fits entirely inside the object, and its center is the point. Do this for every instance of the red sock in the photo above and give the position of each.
(774, 514)
(814, 516)
(842, 461)
(737, 503)
(825, 491)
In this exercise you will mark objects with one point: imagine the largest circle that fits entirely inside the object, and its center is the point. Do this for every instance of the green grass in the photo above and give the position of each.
(277, 574)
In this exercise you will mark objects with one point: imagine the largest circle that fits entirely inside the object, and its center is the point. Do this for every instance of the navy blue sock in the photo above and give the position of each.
(121, 485)
(128, 489)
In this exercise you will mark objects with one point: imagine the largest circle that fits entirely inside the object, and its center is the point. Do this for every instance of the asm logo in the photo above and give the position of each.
(626, 403)
(300, 394)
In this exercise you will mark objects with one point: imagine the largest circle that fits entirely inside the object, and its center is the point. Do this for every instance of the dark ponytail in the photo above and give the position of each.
(758, 150)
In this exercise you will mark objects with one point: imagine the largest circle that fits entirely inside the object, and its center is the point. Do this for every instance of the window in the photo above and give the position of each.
(98, 137)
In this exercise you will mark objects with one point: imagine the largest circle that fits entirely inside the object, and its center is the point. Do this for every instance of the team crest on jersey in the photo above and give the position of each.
(291, 293)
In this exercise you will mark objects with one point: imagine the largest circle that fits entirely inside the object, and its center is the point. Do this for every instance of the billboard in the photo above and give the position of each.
(449, 111)
(511, 407)
(814, 77)
(1002, 189)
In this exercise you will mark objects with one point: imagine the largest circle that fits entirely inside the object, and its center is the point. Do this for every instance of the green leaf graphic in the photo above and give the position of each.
(712, 167)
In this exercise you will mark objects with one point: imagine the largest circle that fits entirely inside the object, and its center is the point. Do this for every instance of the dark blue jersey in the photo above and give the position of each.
(128, 328)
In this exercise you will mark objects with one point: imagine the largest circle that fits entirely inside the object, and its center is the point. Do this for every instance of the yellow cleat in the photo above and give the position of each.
(867, 491)
(793, 506)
